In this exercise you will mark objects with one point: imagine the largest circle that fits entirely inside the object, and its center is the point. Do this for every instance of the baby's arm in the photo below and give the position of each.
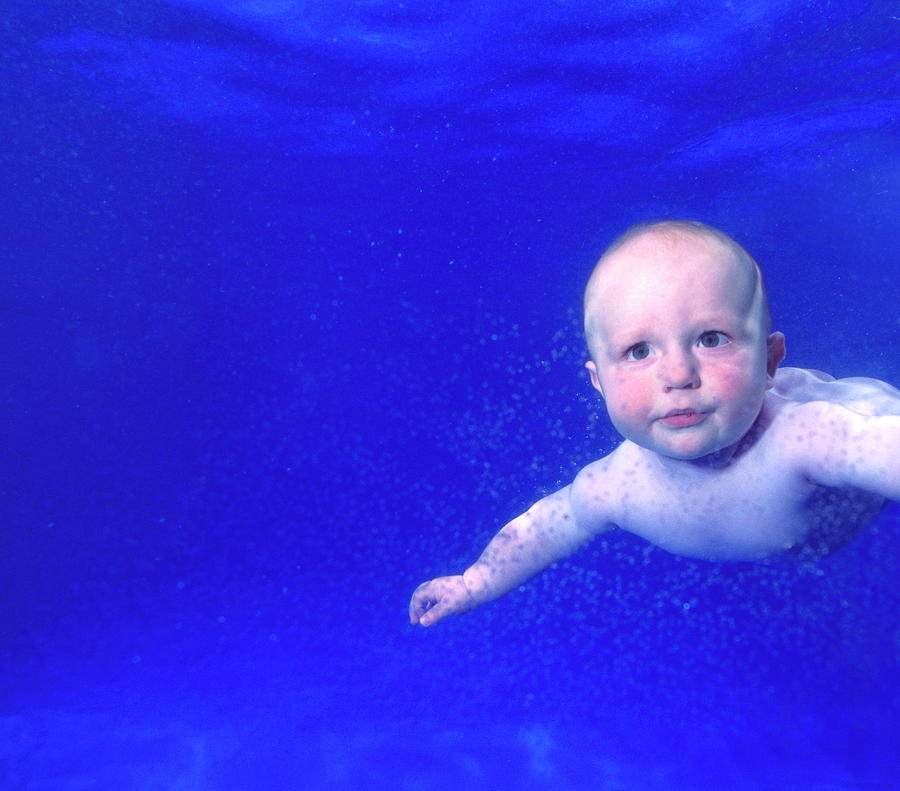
(842, 447)
(545, 533)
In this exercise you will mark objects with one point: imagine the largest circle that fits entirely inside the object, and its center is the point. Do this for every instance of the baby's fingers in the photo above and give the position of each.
(423, 599)
(435, 613)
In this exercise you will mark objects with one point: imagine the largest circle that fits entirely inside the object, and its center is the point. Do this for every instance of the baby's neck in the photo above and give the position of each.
(703, 465)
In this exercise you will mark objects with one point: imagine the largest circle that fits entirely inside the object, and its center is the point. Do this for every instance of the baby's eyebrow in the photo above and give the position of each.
(630, 337)
(623, 343)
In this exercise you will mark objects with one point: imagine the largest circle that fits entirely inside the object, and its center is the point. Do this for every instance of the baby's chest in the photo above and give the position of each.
(735, 518)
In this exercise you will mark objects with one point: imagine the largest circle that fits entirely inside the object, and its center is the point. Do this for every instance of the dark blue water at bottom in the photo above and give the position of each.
(676, 674)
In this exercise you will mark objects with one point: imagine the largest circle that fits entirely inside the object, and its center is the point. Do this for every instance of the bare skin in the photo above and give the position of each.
(725, 456)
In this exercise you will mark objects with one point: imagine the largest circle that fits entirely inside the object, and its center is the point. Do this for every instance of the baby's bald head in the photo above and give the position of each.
(669, 240)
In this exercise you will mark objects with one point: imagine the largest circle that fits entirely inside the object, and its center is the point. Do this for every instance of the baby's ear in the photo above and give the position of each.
(595, 380)
(775, 351)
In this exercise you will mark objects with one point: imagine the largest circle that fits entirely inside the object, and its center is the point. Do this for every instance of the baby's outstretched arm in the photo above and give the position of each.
(545, 533)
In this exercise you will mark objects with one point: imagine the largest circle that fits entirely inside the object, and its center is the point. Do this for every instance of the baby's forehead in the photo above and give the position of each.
(673, 246)
(640, 262)
(699, 265)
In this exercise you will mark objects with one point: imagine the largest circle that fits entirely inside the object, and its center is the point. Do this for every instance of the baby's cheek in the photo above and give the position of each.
(628, 403)
(732, 385)
(740, 388)
(627, 409)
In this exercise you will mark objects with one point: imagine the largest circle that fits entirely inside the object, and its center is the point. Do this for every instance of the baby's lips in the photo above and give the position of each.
(682, 418)
(683, 411)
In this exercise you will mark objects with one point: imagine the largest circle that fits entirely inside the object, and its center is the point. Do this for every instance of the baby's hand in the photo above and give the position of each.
(439, 598)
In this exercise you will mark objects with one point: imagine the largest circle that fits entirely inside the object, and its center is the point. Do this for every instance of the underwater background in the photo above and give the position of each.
(290, 320)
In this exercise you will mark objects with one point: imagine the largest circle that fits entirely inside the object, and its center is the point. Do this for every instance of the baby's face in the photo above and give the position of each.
(678, 344)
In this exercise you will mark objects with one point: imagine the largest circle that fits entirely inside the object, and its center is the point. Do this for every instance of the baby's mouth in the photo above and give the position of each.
(682, 418)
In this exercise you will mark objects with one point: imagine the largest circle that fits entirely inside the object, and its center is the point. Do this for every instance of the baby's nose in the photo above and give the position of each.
(679, 372)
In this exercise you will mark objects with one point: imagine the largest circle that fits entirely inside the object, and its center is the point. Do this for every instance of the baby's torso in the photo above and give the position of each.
(755, 507)
(746, 512)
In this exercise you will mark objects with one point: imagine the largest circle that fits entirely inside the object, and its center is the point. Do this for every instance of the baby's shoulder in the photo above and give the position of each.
(798, 386)
(810, 417)
(625, 459)
(597, 490)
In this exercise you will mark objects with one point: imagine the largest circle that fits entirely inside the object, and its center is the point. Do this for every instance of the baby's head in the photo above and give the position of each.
(678, 329)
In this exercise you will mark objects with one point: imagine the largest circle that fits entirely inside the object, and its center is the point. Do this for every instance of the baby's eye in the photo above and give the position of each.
(640, 351)
(711, 339)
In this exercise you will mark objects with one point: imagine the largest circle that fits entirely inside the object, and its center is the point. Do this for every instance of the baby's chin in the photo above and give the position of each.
(715, 454)
(708, 458)
(712, 447)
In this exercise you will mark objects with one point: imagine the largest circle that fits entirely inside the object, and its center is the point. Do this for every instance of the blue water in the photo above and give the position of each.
(290, 318)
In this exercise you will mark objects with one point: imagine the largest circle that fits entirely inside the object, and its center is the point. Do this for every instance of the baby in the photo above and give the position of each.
(725, 456)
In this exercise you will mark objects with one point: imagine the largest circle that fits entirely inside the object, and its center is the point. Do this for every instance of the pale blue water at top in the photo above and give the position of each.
(290, 312)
